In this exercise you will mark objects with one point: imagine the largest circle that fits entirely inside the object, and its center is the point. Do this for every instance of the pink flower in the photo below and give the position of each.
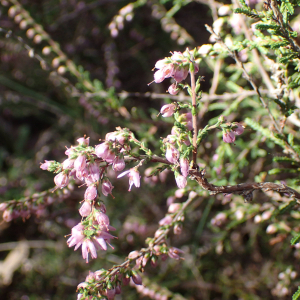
(166, 70)
(94, 171)
(80, 163)
(61, 180)
(239, 129)
(85, 209)
(68, 164)
(228, 136)
(118, 164)
(115, 136)
(174, 253)
(3, 206)
(90, 193)
(83, 141)
(102, 150)
(165, 221)
(173, 89)
(88, 247)
(134, 177)
(184, 167)
(77, 236)
(136, 278)
(181, 181)
(46, 164)
(180, 73)
(167, 110)
(106, 187)
(172, 154)
(102, 218)
(7, 215)
(110, 157)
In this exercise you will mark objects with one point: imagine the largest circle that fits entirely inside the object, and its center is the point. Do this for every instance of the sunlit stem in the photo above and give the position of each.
(194, 118)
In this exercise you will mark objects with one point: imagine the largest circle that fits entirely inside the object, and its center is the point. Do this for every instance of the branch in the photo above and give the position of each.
(244, 189)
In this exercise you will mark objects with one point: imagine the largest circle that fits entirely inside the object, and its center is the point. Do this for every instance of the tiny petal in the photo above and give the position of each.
(118, 164)
(101, 150)
(107, 187)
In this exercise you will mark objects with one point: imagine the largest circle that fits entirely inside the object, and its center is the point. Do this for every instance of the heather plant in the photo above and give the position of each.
(183, 181)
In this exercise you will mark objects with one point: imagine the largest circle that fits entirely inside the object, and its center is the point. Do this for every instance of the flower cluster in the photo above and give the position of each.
(177, 66)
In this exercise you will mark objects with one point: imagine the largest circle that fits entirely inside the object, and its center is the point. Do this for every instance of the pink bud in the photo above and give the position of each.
(239, 129)
(174, 253)
(102, 218)
(136, 278)
(177, 229)
(180, 73)
(168, 110)
(90, 193)
(174, 207)
(181, 181)
(228, 137)
(85, 209)
(7, 215)
(68, 164)
(184, 167)
(110, 294)
(80, 163)
(102, 150)
(106, 187)
(173, 89)
(167, 220)
(94, 171)
(3, 206)
(83, 141)
(46, 164)
(110, 157)
(61, 180)
(172, 154)
(118, 164)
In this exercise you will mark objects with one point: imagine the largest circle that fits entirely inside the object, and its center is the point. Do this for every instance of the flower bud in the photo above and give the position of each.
(118, 164)
(83, 141)
(173, 89)
(61, 180)
(174, 207)
(228, 137)
(90, 193)
(181, 181)
(46, 164)
(136, 278)
(172, 154)
(80, 163)
(168, 110)
(85, 209)
(184, 166)
(106, 187)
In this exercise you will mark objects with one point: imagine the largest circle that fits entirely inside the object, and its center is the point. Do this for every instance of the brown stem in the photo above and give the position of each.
(194, 116)
(244, 189)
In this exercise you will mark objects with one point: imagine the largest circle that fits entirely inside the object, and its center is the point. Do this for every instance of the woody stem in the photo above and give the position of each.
(194, 117)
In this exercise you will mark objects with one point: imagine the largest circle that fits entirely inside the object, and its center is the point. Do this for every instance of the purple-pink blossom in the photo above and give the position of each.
(228, 136)
(184, 166)
(106, 187)
(181, 181)
(85, 209)
(167, 110)
(90, 193)
(46, 164)
(172, 154)
(134, 177)
(80, 163)
(61, 180)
